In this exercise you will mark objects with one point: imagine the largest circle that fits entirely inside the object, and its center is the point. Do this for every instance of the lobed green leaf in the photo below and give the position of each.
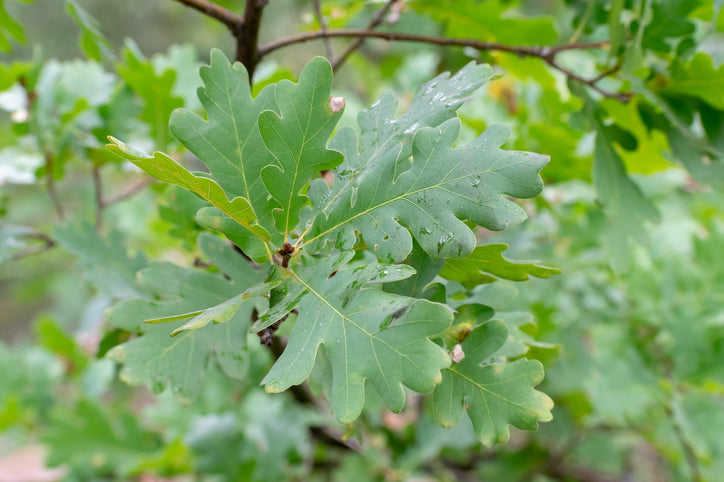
(368, 334)
(163, 168)
(443, 185)
(494, 394)
(157, 360)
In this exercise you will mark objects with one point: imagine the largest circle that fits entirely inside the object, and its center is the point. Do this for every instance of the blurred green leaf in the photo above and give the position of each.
(51, 336)
(492, 20)
(9, 27)
(92, 441)
(697, 78)
(109, 264)
(671, 19)
(91, 41)
(159, 361)
(155, 89)
(487, 263)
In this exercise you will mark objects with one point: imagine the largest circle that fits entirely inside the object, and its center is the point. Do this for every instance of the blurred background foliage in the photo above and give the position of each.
(631, 335)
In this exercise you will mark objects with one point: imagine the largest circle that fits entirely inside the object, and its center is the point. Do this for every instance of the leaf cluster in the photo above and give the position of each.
(328, 250)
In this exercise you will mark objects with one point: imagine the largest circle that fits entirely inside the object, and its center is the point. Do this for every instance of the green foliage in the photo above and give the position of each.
(91, 40)
(87, 439)
(697, 78)
(297, 139)
(10, 27)
(493, 392)
(465, 19)
(154, 88)
(486, 264)
(230, 144)
(368, 334)
(154, 359)
(359, 263)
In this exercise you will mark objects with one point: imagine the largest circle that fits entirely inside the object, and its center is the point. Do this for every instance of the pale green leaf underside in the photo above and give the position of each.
(367, 334)
(216, 220)
(157, 360)
(487, 263)
(165, 169)
(223, 312)
(495, 395)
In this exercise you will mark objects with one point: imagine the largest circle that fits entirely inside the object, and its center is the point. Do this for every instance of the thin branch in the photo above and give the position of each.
(48, 243)
(689, 453)
(607, 73)
(579, 46)
(50, 177)
(98, 190)
(592, 83)
(247, 36)
(232, 20)
(523, 51)
(323, 27)
(131, 191)
(544, 53)
(376, 20)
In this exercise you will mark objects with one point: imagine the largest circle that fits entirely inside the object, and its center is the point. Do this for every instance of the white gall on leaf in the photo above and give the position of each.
(336, 103)
(457, 354)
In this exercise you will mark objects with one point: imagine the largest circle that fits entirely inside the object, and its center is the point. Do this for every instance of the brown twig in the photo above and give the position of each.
(98, 190)
(245, 29)
(522, 50)
(592, 83)
(50, 177)
(215, 11)
(323, 27)
(247, 35)
(546, 53)
(606, 73)
(48, 243)
(376, 20)
(130, 192)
